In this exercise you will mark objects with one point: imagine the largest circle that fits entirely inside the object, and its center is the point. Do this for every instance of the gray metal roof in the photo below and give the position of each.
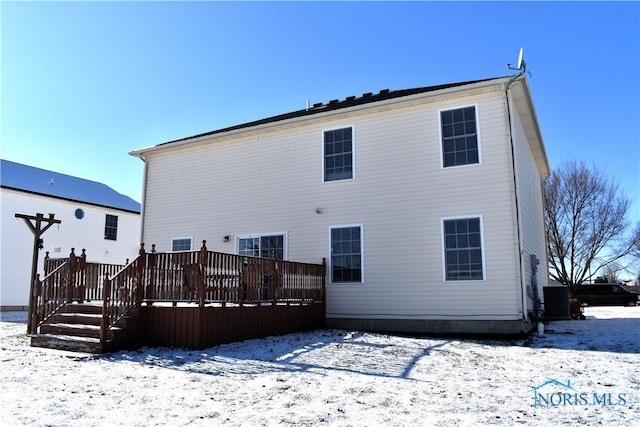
(34, 180)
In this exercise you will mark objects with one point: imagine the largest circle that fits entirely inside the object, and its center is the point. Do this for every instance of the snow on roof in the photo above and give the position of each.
(34, 180)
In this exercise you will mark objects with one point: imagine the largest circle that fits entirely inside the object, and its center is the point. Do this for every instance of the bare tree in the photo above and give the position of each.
(585, 215)
(610, 272)
(635, 242)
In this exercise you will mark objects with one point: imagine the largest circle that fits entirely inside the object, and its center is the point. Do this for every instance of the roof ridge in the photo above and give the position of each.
(336, 104)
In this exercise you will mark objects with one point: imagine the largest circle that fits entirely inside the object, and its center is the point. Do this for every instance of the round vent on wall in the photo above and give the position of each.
(79, 213)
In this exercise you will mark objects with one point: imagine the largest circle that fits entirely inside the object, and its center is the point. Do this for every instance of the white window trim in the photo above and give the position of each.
(111, 228)
(329, 270)
(190, 238)
(353, 152)
(440, 142)
(444, 252)
(285, 241)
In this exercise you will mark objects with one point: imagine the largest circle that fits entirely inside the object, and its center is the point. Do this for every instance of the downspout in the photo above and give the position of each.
(518, 230)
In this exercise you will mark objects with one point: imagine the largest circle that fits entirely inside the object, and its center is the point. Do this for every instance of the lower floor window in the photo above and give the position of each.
(181, 244)
(463, 249)
(346, 254)
(262, 246)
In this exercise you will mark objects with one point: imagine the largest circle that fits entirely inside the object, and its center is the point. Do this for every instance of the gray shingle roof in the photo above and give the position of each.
(336, 104)
(48, 183)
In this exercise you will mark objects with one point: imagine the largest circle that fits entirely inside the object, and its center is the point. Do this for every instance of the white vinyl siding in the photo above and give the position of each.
(530, 206)
(400, 196)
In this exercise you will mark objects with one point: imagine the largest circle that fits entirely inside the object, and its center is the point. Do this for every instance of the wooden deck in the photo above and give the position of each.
(193, 299)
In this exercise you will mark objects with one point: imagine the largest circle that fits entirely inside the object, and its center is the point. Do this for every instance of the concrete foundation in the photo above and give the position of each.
(434, 327)
(14, 308)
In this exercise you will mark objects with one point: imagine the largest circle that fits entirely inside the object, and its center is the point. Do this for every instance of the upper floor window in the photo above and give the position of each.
(262, 246)
(111, 227)
(346, 254)
(338, 154)
(463, 249)
(181, 244)
(459, 137)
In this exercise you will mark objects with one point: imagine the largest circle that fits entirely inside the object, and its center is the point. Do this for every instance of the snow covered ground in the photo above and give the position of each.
(578, 373)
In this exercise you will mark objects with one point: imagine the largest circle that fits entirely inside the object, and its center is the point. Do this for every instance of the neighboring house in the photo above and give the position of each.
(426, 203)
(93, 217)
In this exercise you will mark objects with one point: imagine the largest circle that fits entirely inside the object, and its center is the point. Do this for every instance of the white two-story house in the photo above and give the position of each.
(425, 202)
(93, 216)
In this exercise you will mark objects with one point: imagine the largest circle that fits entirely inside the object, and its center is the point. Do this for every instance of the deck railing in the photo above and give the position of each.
(207, 277)
(67, 280)
(202, 277)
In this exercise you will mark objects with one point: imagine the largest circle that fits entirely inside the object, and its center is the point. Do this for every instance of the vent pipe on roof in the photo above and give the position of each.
(51, 182)
(307, 105)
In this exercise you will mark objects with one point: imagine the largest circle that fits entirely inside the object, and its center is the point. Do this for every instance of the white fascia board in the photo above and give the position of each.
(523, 98)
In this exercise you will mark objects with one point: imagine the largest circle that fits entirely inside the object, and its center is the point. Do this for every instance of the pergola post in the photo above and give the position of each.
(38, 230)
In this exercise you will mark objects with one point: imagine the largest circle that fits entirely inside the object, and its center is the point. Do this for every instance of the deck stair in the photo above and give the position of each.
(76, 327)
(192, 299)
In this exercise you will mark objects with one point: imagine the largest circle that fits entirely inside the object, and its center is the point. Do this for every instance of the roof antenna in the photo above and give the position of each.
(522, 65)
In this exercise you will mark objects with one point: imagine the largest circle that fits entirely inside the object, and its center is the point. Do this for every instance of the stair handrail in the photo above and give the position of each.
(120, 300)
(47, 302)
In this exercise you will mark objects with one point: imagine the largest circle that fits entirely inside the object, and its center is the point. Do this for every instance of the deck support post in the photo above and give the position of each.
(202, 265)
(324, 281)
(273, 278)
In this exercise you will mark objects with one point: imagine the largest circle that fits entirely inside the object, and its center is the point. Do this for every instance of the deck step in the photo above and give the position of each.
(76, 327)
(86, 307)
(77, 318)
(67, 342)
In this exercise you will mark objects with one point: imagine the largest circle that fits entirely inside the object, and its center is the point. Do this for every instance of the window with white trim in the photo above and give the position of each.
(181, 243)
(346, 254)
(460, 144)
(338, 154)
(111, 227)
(262, 245)
(463, 258)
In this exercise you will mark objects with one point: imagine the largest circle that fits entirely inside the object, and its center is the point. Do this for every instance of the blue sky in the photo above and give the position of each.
(84, 83)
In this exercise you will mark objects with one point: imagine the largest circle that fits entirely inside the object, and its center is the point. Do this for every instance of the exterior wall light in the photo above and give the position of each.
(225, 239)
